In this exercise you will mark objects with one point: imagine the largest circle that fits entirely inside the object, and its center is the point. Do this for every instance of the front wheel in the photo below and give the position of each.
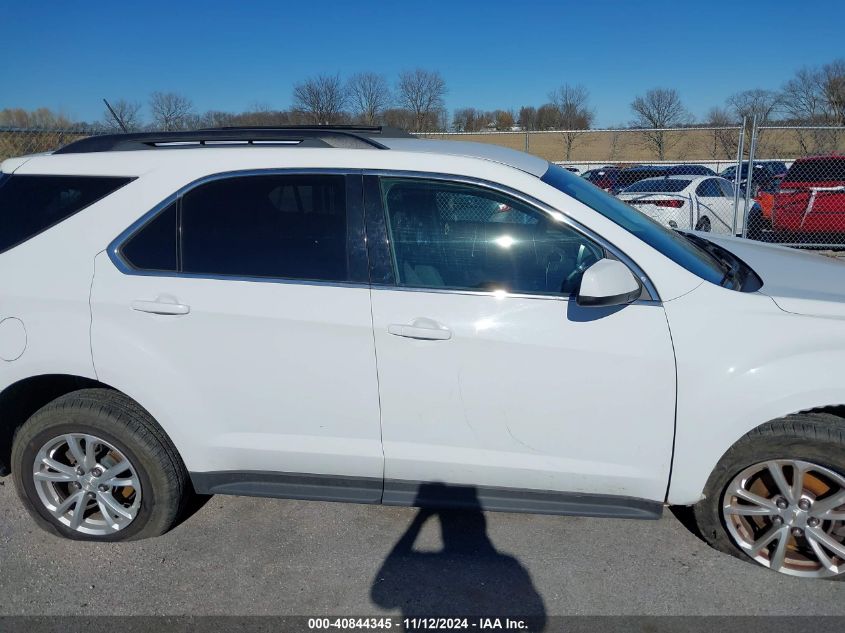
(93, 465)
(778, 497)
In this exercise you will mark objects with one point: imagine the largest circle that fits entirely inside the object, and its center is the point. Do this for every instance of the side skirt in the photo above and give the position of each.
(422, 494)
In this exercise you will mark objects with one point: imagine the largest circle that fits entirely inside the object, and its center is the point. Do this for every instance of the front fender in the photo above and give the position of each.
(742, 362)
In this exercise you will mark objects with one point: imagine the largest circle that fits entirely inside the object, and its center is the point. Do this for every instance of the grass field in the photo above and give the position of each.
(591, 145)
(686, 145)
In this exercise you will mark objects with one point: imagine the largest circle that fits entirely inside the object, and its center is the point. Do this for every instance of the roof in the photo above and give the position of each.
(348, 137)
(520, 160)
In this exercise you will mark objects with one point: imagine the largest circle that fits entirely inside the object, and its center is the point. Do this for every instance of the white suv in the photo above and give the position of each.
(357, 315)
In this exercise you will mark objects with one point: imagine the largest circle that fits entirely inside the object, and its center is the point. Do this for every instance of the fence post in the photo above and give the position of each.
(749, 182)
(739, 151)
(526, 139)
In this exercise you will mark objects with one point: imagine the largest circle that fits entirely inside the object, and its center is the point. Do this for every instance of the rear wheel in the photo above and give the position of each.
(778, 497)
(93, 465)
(703, 224)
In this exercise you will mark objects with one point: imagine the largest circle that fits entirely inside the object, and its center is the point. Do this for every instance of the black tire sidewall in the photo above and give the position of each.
(47, 425)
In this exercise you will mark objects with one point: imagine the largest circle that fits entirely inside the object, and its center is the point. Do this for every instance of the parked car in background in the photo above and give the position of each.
(629, 176)
(766, 174)
(603, 178)
(574, 170)
(702, 203)
(810, 204)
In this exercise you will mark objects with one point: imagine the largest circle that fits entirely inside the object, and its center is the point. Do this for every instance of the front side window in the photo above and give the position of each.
(465, 237)
(30, 205)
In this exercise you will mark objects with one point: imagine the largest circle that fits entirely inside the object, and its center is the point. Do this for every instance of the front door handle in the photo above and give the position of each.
(160, 306)
(421, 328)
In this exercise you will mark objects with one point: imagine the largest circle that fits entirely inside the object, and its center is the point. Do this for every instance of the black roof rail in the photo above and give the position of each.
(347, 136)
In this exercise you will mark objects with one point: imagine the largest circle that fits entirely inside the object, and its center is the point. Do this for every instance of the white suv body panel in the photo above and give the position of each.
(742, 361)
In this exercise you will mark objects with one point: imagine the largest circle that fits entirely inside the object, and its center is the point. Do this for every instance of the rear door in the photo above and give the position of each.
(491, 375)
(713, 204)
(239, 313)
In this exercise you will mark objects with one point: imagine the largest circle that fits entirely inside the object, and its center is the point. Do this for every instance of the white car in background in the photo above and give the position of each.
(702, 203)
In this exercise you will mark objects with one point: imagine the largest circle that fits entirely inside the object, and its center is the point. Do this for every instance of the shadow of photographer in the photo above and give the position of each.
(467, 577)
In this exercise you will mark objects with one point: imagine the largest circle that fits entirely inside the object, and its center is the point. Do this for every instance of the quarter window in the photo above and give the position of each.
(450, 235)
(30, 205)
(154, 246)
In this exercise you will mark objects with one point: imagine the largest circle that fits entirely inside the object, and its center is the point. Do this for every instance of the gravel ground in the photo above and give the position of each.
(240, 556)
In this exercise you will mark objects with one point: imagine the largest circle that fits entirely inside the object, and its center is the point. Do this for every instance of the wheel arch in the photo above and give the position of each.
(679, 498)
(20, 400)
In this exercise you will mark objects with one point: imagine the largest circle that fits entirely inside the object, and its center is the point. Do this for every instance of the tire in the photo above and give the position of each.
(703, 224)
(151, 489)
(759, 226)
(813, 438)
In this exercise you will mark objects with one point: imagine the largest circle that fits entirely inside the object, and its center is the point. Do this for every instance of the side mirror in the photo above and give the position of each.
(608, 282)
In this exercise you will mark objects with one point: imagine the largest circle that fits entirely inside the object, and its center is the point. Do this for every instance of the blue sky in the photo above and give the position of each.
(229, 55)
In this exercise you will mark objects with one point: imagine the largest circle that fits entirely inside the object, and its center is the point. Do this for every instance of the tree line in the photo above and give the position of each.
(415, 102)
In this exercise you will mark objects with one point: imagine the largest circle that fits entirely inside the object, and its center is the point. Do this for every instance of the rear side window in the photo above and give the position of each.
(659, 185)
(30, 205)
(816, 170)
(709, 189)
(283, 226)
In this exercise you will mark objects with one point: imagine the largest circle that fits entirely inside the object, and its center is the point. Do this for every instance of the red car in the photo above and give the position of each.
(811, 198)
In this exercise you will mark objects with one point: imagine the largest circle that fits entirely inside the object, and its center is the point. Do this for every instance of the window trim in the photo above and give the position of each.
(354, 225)
(378, 240)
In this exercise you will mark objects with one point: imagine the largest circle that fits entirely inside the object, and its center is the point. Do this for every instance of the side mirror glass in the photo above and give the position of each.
(608, 282)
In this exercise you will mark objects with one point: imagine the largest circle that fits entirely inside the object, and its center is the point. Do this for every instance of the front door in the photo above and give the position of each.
(491, 375)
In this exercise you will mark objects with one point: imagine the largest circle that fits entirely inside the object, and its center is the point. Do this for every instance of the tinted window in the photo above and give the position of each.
(727, 188)
(153, 247)
(286, 226)
(659, 184)
(817, 170)
(32, 204)
(672, 244)
(709, 189)
(448, 235)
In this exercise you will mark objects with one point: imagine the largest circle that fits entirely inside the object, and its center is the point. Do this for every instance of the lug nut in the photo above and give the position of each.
(813, 522)
(797, 532)
(96, 472)
(777, 520)
(80, 471)
(782, 503)
(804, 504)
(103, 488)
(75, 485)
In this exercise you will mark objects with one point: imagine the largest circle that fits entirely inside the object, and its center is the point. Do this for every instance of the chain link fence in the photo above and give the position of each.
(780, 184)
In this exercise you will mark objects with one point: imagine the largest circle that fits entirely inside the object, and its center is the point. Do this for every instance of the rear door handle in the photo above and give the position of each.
(421, 328)
(160, 307)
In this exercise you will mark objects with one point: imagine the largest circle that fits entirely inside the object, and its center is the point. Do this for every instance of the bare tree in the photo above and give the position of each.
(321, 99)
(467, 120)
(171, 111)
(759, 102)
(572, 103)
(503, 120)
(369, 96)
(548, 117)
(421, 92)
(658, 109)
(129, 113)
(528, 117)
(725, 134)
(833, 86)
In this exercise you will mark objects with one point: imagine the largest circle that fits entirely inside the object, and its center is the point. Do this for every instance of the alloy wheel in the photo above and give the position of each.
(87, 484)
(789, 516)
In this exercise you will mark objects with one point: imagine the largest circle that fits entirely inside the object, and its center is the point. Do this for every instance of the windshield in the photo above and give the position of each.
(672, 244)
(657, 185)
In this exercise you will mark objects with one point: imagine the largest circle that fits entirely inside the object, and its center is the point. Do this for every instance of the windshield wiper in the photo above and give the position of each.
(729, 265)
